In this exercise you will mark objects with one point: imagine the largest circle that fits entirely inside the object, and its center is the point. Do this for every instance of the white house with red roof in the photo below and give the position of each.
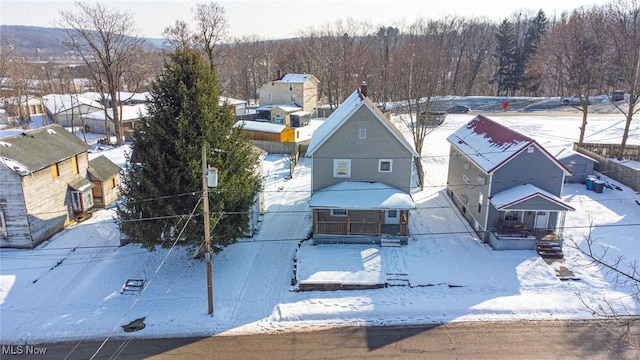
(506, 185)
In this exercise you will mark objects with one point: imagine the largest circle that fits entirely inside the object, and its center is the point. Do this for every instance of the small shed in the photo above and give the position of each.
(579, 164)
(256, 130)
(105, 175)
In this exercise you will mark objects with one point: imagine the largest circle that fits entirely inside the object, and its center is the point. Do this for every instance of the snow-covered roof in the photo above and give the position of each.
(343, 113)
(36, 149)
(568, 152)
(56, 103)
(490, 145)
(128, 112)
(295, 78)
(361, 195)
(231, 101)
(517, 194)
(289, 108)
(260, 126)
(300, 113)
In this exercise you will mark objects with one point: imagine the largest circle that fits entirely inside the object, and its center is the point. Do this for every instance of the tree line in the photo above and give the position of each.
(590, 50)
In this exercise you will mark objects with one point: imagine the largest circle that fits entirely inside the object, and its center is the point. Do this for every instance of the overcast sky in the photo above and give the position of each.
(272, 19)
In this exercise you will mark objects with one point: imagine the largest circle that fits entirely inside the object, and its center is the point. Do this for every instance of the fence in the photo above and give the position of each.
(610, 166)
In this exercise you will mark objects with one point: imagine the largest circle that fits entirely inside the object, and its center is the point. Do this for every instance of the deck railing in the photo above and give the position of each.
(341, 228)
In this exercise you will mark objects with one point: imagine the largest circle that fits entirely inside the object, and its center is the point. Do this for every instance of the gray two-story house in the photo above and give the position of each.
(362, 168)
(506, 185)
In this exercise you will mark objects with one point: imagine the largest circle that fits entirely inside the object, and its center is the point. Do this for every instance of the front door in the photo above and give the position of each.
(391, 217)
(542, 218)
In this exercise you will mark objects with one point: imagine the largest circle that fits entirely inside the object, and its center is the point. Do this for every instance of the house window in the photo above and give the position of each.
(338, 212)
(74, 165)
(465, 178)
(512, 215)
(465, 162)
(392, 214)
(113, 182)
(530, 150)
(269, 97)
(362, 134)
(385, 165)
(55, 171)
(293, 98)
(480, 200)
(3, 226)
(341, 168)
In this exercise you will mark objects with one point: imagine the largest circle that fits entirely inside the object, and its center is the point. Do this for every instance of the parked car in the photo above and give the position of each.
(458, 109)
(617, 95)
(574, 100)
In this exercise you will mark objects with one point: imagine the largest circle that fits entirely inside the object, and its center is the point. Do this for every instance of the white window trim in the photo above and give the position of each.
(333, 212)
(380, 161)
(362, 134)
(335, 167)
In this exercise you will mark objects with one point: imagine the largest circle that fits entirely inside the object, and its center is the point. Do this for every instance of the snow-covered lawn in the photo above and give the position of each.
(69, 288)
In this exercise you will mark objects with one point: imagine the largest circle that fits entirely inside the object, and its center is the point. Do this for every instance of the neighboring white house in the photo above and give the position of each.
(67, 109)
(129, 114)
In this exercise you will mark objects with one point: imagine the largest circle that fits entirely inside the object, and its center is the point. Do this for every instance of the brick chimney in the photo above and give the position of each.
(363, 88)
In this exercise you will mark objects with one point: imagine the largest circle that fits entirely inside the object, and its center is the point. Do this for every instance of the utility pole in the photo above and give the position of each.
(207, 230)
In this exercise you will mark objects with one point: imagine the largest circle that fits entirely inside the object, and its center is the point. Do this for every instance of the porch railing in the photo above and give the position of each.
(352, 228)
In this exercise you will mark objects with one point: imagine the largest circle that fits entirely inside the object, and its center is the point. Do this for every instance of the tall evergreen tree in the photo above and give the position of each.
(164, 181)
(536, 28)
(506, 57)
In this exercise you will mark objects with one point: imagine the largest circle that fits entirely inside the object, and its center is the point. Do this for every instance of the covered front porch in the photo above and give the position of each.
(527, 218)
(360, 212)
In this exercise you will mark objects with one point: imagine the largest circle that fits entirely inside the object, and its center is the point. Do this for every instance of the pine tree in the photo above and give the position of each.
(163, 184)
(506, 56)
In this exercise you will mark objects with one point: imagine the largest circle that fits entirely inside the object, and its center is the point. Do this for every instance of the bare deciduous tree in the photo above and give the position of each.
(106, 41)
(624, 33)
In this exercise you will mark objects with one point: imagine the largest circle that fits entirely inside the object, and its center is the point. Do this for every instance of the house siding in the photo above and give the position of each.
(47, 200)
(534, 168)
(14, 211)
(346, 144)
(303, 94)
(470, 191)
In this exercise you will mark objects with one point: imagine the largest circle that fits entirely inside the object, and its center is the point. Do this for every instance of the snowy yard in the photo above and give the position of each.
(69, 288)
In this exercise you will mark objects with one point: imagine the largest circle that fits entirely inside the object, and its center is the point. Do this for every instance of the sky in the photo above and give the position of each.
(70, 287)
(274, 19)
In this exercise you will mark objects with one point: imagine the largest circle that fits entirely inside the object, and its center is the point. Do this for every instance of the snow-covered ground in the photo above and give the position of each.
(69, 288)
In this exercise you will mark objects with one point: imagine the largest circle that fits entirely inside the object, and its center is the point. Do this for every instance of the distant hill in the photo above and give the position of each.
(43, 42)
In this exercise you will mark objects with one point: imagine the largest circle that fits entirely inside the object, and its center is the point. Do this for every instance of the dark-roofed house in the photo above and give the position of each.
(506, 185)
(361, 176)
(44, 185)
(105, 176)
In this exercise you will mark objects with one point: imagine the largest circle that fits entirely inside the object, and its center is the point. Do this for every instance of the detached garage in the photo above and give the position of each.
(579, 164)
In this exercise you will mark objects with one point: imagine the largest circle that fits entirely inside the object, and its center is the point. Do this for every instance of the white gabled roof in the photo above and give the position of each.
(57, 103)
(520, 193)
(361, 195)
(260, 126)
(295, 78)
(568, 152)
(343, 113)
(128, 112)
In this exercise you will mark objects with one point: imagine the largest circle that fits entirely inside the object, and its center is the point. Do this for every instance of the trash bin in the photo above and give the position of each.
(589, 182)
(598, 186)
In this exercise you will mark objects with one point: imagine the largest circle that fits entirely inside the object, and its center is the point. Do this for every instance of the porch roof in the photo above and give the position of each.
(361, 195)
(527, 197)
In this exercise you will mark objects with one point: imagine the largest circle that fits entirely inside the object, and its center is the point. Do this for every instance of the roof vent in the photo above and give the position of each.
(51, 131)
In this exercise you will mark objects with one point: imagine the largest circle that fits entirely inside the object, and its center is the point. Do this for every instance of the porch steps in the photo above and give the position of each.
(390, 241)
(550, 249)
(397, 279)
